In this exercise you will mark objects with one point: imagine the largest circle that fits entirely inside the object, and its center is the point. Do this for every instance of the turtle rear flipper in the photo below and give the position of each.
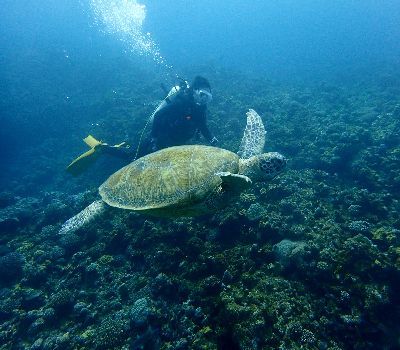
(254, 136)
(83, 217)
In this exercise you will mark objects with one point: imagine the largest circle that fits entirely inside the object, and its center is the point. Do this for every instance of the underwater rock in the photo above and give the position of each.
(255, 212)
(53, 253)
(351, 320)
(82, 313)
(354, 209)
(37, 345)
(140, 312)
(18, 214)
(386, 236)
(123, 291)
(49, 315)
(362, 256)
(194, 246)
(37, 326)
(62, 302)
(11, 266)
(49, 231)
(34, 276)
(359, 226)
(162, 286)
(291, 253)
(118, 260)
(24, 209)
(150, 339)
(296, 331)
(80, 308)
(92, 273)
(71, 242)
(375, 298)
(62, 341)
(8, 303)
(211, 285)
(55, 212)
(111, 332)
(227, 277)
(32, 299)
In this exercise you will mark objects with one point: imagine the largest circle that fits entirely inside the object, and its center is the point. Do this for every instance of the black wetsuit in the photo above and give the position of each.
(173, 125)
(178, 122)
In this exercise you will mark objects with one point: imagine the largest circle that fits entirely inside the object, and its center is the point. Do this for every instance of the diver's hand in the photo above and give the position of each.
(106, 146)
(214, 141)
(123, 144)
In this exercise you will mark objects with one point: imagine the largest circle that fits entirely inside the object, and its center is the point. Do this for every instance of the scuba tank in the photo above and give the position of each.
(172, 94)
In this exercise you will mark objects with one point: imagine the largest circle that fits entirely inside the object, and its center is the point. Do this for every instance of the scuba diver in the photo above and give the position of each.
(179, 117)
(183, 116)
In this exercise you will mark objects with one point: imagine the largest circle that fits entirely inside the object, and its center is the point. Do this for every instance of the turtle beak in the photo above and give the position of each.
(279, 162)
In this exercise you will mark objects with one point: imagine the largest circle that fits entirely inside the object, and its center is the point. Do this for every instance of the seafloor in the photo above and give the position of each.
(308, 261)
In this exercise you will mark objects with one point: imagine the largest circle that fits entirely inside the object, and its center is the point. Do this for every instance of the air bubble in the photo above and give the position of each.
(125, 18)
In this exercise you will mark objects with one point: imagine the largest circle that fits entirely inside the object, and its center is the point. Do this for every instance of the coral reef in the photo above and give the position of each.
(308, 261)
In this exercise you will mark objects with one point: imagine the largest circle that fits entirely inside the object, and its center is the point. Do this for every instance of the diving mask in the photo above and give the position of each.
(202, 96)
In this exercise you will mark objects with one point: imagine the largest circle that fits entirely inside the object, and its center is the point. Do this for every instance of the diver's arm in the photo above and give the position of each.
(205, 131)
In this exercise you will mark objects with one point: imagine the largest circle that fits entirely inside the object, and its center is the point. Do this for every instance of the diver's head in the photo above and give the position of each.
(201, 91)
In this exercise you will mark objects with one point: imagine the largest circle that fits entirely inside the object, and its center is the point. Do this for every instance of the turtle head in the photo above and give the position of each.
(271, 164)
(263, 167)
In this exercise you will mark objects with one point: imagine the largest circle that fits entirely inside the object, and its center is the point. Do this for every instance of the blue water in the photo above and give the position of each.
(279, 37)
(51, 48)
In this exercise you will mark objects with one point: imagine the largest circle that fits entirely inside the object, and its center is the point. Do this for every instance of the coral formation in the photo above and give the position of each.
(308, 261)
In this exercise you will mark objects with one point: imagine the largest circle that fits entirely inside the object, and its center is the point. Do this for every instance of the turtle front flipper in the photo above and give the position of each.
(253, 140)
(230, 187)
(234, 182)
(83, 217)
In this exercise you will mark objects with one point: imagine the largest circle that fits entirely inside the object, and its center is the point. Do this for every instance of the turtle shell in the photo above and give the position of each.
(178, 176)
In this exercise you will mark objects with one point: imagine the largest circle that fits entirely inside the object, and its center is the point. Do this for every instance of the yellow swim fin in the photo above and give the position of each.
(85, 160)
(80, 164)
(91, 141)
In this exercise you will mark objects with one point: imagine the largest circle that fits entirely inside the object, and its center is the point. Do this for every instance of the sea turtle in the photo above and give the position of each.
(186, 180)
